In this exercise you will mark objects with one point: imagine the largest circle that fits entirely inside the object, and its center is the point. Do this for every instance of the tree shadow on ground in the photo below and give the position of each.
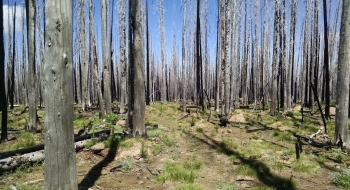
(262, 170)
(95, 172)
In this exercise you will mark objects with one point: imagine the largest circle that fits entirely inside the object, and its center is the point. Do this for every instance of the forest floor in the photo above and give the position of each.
(256, 151)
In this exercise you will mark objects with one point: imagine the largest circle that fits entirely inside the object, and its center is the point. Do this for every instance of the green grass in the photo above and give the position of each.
(227, 144)
(112, 142)
(306, 164)
(225, 186)
(280, 135)
(90, 143)
(151, 133)
(185, 172)
(194, 165)
(26, 187)
(341, 179)
(111, 118)
(156, 149)
(192, 122)
(127, 143)
(199, 130)
(245, 170)
(190, 186)
(82, 123)
(143, 151)
(128, 164)
(168, 140)
(24, 140)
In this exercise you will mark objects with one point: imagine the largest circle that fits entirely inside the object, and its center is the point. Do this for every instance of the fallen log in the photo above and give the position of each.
(13, 132)
(14, 161)
(41, 146)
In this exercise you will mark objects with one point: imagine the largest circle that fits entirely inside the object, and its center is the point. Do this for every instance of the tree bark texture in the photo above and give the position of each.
(3, 99)
(341, 117)
(138, 80)
(84, 60)
(162, 41)
(184, 85)
(105, 60)
(32, 100)
(274, 62)
(60, 162)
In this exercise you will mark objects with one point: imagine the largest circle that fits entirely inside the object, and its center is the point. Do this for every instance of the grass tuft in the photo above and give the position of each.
(176, 172)
(245, 170)
(341, 179)
(24, 140)
(127, 164)
(168, 140)
(225, 186)
(151, 133)
(190, 186)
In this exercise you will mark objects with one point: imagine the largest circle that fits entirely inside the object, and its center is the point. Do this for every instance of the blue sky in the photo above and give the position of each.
(173, 18)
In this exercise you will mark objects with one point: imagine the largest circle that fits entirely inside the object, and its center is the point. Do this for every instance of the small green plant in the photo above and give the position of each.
(90, 143)
(227, 144)
(290, 114)
(127, 164)
(306, 164)
(111, 118)
(127, 143)
(341, 179)
(24, 140)
(190, 186)
(26, 187)
(213, 133)
(278, 166)
(194, 165)
(245, 170)
(82, 123)
(192, 122)
(112, 142)
(174, 156)
(143, 151)
(225, 186)
(255, 137)
(199, 130)
(168, 140)
(22, 169)
(151, 133)
(176, 172)
(280, 135)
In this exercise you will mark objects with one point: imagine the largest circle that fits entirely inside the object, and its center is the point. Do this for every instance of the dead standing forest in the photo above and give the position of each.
(278, 80)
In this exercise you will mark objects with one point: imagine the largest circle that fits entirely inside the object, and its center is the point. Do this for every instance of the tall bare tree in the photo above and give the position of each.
(290, 73)
(341, 117)
(3, 99)
(326, 62)
(137, 69)
(122, 34)
(183, 57)
(12, 75)
(275, 60)
(60, 158)
(84, 60)
(162, 50)
(32, 103)
(105, 59)
(148, 69)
